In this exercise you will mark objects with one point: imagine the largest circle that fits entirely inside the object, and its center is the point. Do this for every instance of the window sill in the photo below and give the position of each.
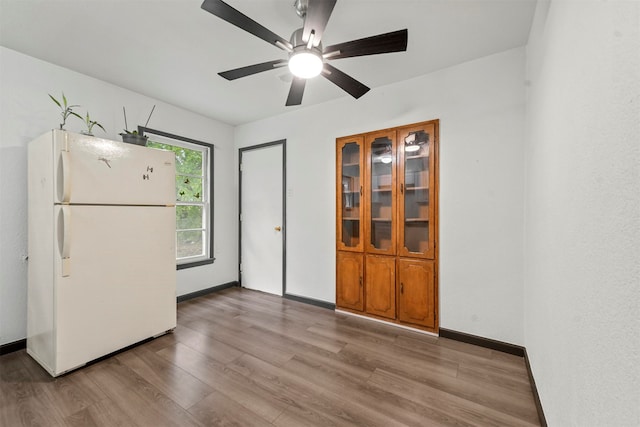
(195, 263)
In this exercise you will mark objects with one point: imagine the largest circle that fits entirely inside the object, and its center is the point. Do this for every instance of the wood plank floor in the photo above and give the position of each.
(244, 358)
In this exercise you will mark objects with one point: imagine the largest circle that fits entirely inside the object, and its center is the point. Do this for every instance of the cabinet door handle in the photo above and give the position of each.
(401, 288)
(401, 188)
(360, 281)
(361, 190)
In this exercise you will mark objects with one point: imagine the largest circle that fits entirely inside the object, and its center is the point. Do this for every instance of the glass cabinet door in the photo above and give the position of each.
(417, 196)
(350, 225)
(381, 204)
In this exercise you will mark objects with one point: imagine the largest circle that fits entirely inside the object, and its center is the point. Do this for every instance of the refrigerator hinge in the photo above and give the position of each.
(240, 217)
(240, 267)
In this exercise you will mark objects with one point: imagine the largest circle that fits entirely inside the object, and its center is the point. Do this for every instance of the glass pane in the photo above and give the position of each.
(351, 194)
(189, 217)
(416, 192)
(191, 185)
(188, 162)
(350, 232)
(188, 189)
(154, 144)
(190, 243)
(381, 192)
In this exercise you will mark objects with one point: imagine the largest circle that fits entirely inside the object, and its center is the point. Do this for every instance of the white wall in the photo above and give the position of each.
(26, 112)
(480, 105)
(582, 241)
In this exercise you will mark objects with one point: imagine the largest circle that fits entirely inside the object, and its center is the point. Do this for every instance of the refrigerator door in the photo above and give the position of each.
(115, 279)
(89, 170)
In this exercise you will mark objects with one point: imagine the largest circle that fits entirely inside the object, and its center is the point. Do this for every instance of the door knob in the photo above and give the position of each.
(278, 228)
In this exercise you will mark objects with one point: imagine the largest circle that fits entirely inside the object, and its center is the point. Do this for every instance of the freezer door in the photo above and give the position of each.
(91, 170)
(115, 271)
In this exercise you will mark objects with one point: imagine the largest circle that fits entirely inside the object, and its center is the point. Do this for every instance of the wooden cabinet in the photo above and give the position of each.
(416, 292)
(349, 281)
(380, 286)
(387, 224)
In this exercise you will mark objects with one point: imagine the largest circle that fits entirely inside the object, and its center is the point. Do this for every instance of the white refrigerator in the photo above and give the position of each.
(101, 246)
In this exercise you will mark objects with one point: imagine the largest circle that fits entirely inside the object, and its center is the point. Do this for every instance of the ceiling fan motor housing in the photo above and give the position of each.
(298, 43)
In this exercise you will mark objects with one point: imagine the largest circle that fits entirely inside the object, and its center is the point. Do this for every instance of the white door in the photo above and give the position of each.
(262, 218)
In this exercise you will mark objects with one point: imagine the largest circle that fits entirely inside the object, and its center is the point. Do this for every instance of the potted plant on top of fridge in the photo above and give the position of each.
(90, 124)
(133, 137)
(66, 110)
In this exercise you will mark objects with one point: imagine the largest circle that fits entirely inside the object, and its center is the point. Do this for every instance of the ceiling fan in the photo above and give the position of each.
(307, 57)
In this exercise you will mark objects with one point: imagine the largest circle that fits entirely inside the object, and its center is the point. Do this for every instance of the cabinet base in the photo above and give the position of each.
(387, 322)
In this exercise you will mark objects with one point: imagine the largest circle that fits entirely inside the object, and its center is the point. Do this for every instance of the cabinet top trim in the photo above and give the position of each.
(393, 128)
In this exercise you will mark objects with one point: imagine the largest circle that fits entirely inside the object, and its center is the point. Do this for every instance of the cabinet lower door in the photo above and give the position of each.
(380, 286)
(349, 277)
(416, 292)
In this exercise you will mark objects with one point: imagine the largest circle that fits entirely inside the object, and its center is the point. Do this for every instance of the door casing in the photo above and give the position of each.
(241, 151)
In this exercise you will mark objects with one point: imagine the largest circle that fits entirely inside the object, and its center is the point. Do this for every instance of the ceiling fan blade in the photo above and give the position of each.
(296, 91)
(232, 16)
(344, 81)
(252, 69)
(318, 13)
(395, 41)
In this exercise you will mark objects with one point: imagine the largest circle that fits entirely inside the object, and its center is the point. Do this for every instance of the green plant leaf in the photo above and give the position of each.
(99, 125)
(64, 99)
(72, 113)
(55, 100)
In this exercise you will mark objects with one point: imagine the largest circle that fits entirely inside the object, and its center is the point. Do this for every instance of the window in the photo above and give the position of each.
(194, 191)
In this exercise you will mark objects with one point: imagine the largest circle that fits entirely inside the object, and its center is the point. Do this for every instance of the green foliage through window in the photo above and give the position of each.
(191, 200)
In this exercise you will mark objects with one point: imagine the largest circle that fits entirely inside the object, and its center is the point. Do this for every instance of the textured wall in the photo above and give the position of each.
(582, 240)
(27, 112)
(480, 105)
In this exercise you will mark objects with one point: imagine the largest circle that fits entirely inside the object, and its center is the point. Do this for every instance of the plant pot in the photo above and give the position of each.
(136, 139)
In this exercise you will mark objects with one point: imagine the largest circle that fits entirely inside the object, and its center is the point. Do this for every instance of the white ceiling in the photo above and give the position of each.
(172, 50)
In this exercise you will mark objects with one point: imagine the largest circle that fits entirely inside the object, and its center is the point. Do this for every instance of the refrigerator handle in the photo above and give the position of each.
(64, 233)
(64, 180)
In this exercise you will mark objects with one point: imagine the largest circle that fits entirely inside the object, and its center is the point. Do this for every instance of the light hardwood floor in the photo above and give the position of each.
(243, 358)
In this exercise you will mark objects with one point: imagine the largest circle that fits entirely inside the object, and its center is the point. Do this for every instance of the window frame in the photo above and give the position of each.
(207, 258)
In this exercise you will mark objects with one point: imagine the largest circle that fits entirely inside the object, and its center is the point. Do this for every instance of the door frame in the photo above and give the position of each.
(241, 151)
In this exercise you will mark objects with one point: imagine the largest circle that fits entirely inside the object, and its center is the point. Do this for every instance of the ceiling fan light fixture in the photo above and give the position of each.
(305, 64)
